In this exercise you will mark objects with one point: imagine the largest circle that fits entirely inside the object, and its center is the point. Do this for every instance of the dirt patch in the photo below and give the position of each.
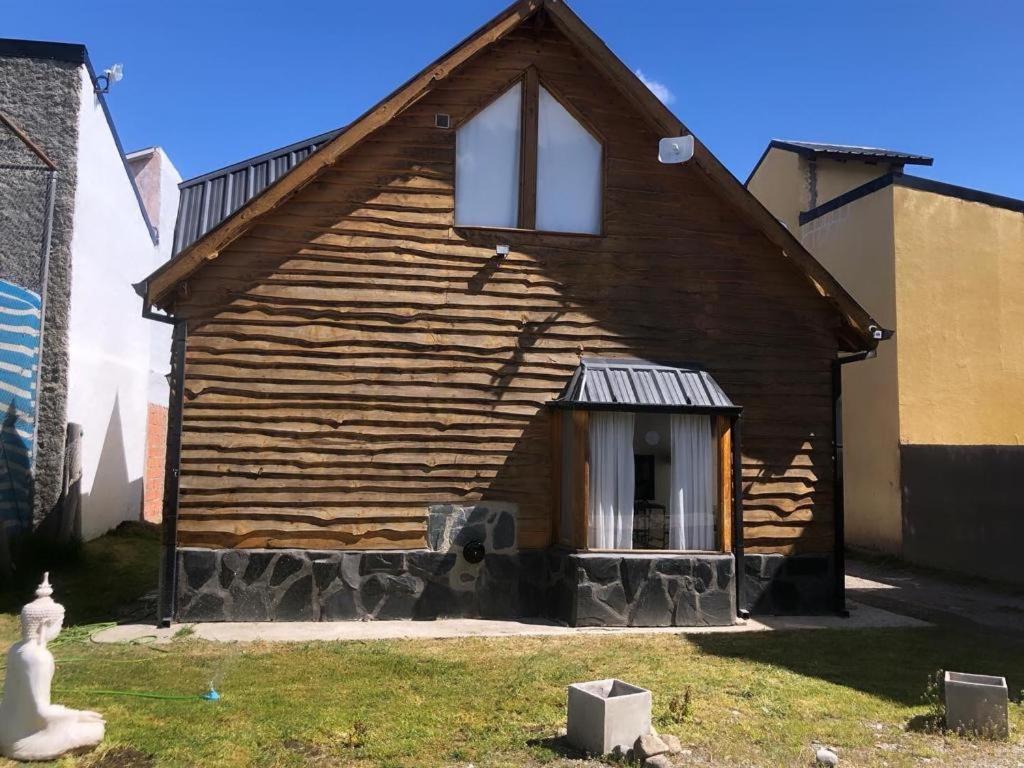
(320, 755)
(123, 757)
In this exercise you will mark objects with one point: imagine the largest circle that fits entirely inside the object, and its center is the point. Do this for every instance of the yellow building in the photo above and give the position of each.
(933, 427)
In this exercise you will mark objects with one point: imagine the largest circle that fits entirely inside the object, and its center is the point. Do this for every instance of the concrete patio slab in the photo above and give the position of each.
(861, 617)
(939, 598)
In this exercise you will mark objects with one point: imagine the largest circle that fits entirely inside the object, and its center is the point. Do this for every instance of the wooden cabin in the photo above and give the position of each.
(481, 353)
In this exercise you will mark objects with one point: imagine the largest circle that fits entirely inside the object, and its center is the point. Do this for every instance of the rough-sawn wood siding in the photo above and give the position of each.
(355, 358)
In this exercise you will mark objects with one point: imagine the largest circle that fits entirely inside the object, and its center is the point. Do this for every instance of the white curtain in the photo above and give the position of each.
(611, 481)
(691, 510)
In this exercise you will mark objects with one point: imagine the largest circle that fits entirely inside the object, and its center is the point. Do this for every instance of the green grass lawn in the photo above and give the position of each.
(756, 699)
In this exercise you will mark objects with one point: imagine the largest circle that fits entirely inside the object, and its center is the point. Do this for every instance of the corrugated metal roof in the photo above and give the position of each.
(207, 200)
(639, 384)
(846, 150)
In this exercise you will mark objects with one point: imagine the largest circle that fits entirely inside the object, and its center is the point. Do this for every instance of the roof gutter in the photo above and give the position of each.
(142, 291)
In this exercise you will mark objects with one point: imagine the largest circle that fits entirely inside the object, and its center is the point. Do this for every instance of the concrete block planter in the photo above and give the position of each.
(977, 704)
(605, 713)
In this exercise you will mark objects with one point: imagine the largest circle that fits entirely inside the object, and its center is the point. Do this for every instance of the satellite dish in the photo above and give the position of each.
(675, 150)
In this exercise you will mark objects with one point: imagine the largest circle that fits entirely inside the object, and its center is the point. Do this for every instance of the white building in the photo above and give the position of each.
(112, 223)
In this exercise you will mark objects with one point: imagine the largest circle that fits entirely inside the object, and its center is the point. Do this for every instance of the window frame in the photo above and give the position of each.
(728, 465)
(529, 115)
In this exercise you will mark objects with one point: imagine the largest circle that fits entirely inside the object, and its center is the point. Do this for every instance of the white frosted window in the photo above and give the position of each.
(487, 164)
(568, 171)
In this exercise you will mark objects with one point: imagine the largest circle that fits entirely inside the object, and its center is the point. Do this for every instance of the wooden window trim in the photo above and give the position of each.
(598, 136)
(470, 228)
(576, 114)
(724, 507)
(529, 114)
(556, 417)
(657, 551)
(528, 139)
(484, 103)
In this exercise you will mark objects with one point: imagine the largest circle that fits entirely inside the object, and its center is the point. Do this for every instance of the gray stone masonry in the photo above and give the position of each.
(583, 590)
(788, 585)
(42, 96)
(648, 590)
(299, 585)
(451, 527)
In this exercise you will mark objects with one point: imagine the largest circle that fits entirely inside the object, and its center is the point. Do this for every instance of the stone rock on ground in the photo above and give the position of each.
(672, 742)
(649, 745)
(658, 761)
(826, 756)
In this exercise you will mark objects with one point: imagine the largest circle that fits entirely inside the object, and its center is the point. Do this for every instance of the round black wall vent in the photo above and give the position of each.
(474, 551)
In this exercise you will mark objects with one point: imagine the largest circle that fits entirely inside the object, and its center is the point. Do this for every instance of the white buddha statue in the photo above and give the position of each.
(31, 728)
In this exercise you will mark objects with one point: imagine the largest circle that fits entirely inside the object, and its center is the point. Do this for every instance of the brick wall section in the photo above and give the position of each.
(156, 450)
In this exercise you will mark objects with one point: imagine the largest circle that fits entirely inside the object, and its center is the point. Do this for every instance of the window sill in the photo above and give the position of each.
(651, 552)
(517, 231)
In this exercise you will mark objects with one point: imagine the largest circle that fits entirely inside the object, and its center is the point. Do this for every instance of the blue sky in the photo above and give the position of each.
(216, 81)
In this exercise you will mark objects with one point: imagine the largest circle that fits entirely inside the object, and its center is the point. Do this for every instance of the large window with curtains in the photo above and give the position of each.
(646, 456)
(652, 481)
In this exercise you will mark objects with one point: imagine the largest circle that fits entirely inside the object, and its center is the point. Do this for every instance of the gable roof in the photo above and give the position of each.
(205, 201)
(157, 287)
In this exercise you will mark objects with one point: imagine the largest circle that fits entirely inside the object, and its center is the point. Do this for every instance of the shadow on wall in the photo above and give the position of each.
(113, 496)
(16, 490)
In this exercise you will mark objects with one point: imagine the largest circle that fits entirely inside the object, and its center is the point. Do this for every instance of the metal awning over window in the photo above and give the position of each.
(638, 385)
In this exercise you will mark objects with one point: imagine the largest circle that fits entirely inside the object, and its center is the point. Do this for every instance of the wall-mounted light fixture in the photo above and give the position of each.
(111, 75)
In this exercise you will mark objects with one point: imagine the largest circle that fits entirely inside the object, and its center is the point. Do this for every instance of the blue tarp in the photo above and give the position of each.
(19, 359)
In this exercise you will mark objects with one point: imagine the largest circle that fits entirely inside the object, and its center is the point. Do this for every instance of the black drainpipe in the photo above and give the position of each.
(172, 460)
(737, 511)
(838, 504)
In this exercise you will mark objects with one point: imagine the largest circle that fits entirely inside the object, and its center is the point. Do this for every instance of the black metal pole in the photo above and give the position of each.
(737, 511)
(838, 500)
(838, 510)
(172, 461)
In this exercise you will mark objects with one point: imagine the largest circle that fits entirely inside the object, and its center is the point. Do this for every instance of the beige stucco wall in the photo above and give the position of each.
(780, 183)
(960, 286)
(855, 243)
(787, 184)
(834, 177)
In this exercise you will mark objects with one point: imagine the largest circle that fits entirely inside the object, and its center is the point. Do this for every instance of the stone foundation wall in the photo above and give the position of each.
(450, 527)
(641, 590)
(580, 589)
(794, 584)
(300, 585)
